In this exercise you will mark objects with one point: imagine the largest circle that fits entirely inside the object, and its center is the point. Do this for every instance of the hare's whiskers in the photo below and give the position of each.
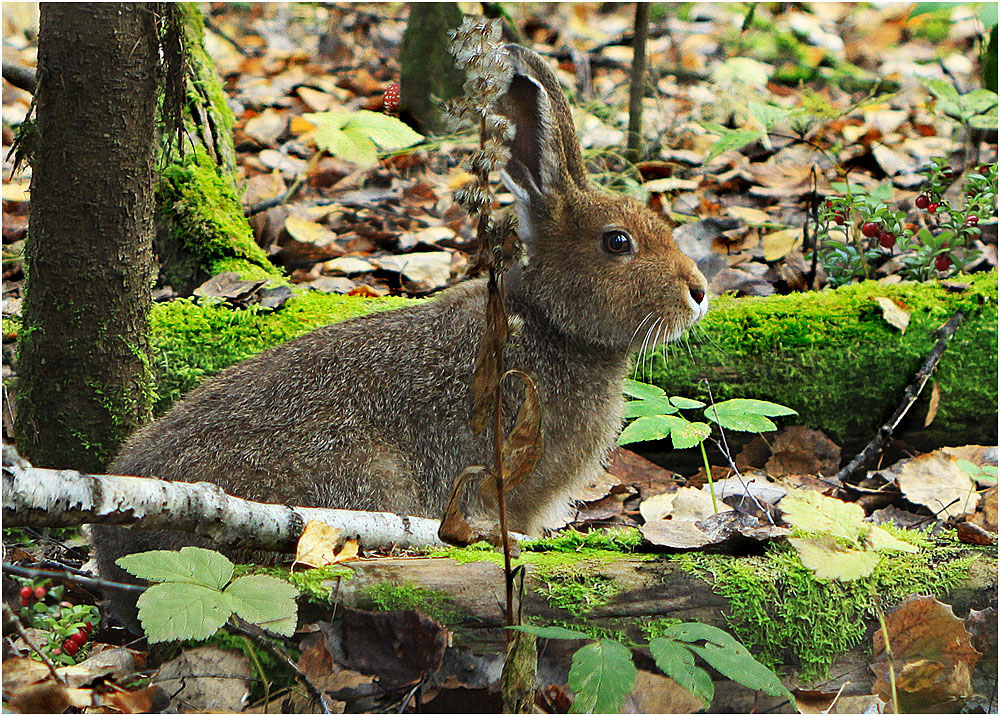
(642, 348)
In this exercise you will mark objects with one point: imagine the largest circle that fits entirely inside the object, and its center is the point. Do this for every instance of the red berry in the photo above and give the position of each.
(57, 651)
(25, 601)
(886, 239)
(70, 647)
(942, 262)
(922, 201)
(869, 229)
(80, 637)
(971, 220)
(390, 99)
(932, 207)
(26, 592)
(87, 627)
(948, 173)
(838, 219)
(40, 592)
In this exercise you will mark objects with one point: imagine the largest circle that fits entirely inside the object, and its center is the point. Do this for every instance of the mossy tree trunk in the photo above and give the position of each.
(426, 67)
(83, 362)
(201, 227)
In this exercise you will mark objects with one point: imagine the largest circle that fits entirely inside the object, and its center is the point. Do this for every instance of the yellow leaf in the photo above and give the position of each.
(753, 217)
(894, 312)
(308, 232)
(810, 511)
(300, 125)
(779, 243)
(934, 403)
(317, 547)
(883, 541)
(829, 560)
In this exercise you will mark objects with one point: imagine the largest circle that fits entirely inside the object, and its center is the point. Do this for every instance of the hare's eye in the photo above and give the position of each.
(617, 242)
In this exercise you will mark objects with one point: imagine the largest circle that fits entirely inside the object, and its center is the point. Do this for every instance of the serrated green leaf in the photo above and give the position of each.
(736, 663)
(194, 565)
(174, 611)
(883, 541)
(677, 662)
(730, 140)
(830, 560)
(601, 676)
(386, 131)
(812, 512)
(746, 415)
(650, 406)
(696, 631)
(551, 632)
(266, 601)
(654, 427)
(643, 391)
(688, 434)
(686, 403)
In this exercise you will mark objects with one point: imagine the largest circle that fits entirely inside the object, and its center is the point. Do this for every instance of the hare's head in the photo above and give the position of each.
(603, 268)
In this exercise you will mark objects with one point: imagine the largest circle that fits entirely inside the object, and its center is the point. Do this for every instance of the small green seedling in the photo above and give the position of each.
(602, 673)
(657, 416)
(353, 135)
(196, 594)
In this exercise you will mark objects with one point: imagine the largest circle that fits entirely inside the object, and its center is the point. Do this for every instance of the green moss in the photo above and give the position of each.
(826, 353)
(317, 585)
(437, 605)
(192, 341)
(654, 628)
(624, 539)
(781, 612)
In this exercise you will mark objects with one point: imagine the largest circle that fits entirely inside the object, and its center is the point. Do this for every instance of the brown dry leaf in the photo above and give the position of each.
(487, 375)
(151, 699)
(207, 679)
(798, 450)
(971, 533)
(657, 507)
(659, 694)
(318, 544)
(986, 514)
(784, 181)
(936, 481)
(894, 312)
(315, 100)
(752, 217)
(935, 402)
(455, 528)
(523, 445)
(779, 243)
(690, 503)
(715, 530)
(816, 703)
(933, 656)
(308, 232)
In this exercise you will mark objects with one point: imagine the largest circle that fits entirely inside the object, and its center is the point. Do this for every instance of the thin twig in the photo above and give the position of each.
(910, 395)
(11, 618)
(88, 582)
(19, 76)
(252, 632)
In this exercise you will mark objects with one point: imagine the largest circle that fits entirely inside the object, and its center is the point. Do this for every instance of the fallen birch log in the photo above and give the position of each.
(38, 497)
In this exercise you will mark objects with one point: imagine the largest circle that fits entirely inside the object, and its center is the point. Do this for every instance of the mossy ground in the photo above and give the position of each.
(192, 341)
(826, 354)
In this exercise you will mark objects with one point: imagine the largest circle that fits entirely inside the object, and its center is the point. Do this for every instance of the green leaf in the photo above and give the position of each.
(266, 601)
(386, 131)
(686, 403)
(746, 415)
(177, 610)
(551, 632)
(980, 101)
(731, 139)
(653, 427)
(983, 121)
(925, 8)
(988, 15)
(601, 676)
(767, 115)
(650, 406)
(677, 662)
(883, 541)
(736, 663)
(828, 559)
(643, 391)
(696, 631)
(689, 434)
(813, 512)
(191, 564)
(949, 100)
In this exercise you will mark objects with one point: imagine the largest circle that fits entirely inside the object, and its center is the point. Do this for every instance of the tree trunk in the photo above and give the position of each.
(637, 84)
(201, 227)
(426, 67)
(83, 363)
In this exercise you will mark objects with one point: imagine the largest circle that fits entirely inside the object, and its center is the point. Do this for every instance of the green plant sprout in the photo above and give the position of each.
(602, 673)
(656, 416)
(353, 135)
(196, 594)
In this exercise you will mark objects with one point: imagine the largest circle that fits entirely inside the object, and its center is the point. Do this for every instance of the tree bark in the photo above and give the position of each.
(83, 363)
(426, 66)
(637, 86)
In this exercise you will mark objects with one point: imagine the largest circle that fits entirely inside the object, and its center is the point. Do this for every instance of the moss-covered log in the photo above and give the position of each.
(201, 228)
(834, 358)
(830, 355)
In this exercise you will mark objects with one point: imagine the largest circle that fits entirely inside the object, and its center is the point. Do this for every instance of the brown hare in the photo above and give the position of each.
(374, 413)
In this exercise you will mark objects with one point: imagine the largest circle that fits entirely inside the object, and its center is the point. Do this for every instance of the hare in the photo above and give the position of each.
(374, 413)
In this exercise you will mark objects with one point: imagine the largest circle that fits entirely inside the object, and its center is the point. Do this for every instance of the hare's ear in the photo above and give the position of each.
(545, 161)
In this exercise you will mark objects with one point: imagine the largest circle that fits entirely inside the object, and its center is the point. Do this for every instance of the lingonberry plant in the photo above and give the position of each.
(66, 627)
(859, 231)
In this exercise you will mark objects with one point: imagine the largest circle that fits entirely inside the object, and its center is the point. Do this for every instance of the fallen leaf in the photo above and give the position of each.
(753, 217)
(307, 231)
(936, 481)
(266, 127)
(318, 544)
(429, 269)
(207, 679)
(716, 530)
(986, 513)
(894, 312)
(778, 243)
(830, 560)
(798, 450)
(348, 265)
(935, 401)
(932, 655)
(657, 507)
(659, 694)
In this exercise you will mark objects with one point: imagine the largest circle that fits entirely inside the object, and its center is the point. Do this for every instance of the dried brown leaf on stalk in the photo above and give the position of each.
(523, 446)
(455, 527)
(486, 376)
(933, 656)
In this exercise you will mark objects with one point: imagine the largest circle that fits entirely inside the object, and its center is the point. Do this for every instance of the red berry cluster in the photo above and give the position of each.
(27, 593)
(390, 98)
(838, 216)
(871, 229)
(75, 641)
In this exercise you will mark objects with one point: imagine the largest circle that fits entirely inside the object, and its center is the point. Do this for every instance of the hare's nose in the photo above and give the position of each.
(697, 294)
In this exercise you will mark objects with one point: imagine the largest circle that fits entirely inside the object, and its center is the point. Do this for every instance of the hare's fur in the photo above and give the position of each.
(374, 413)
